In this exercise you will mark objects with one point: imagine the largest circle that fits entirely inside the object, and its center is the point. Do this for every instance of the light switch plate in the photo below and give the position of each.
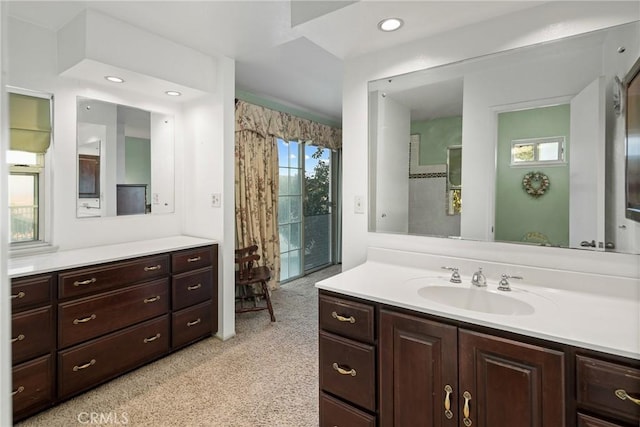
(358, 205)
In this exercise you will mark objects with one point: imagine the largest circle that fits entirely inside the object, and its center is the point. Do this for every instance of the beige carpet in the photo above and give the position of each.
(265, 376)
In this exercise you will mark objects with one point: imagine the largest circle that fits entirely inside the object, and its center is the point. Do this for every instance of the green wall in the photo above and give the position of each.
(517, 213)
(137, 168)
(435, 136)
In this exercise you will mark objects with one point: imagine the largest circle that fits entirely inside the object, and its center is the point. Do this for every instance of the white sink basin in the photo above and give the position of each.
(473, 299)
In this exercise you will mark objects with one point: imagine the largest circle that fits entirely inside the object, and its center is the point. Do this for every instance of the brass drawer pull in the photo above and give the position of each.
(19, 295)
(85, 320)
(153, 338)
(194, 259)
(465, 409)
(153, 268)
(194, 287)
(18, 338)
(195, 322)
(343, 371)
(85, 282)
(340, 318)
(18, 390)
(152, 299)
(623, 395)
(447, 402)
(85, 366)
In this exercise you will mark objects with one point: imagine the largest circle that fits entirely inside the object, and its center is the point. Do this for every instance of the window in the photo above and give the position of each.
(30, 137)
(538, 151)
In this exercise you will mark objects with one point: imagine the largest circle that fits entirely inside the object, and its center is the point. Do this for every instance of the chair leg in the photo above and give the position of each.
(265, 289)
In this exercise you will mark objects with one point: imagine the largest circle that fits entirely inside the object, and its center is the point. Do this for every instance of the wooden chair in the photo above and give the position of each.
(248, 278)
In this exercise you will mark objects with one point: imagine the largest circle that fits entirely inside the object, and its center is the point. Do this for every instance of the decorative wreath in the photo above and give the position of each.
(535, 184)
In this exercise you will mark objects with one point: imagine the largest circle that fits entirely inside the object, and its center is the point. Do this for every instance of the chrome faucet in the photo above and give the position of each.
(455, 275)
(503, 284)
(478, 279)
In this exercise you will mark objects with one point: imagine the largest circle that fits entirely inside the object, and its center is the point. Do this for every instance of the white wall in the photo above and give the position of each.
(6, 417)
(519, 29)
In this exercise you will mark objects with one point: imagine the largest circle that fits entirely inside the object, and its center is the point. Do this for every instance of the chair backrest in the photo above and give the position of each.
(245, 257)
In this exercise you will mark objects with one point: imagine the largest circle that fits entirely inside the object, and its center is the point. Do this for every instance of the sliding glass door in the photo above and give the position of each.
(306, 213)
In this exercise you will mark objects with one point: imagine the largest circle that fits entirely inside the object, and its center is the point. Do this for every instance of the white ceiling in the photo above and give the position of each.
(298, 64)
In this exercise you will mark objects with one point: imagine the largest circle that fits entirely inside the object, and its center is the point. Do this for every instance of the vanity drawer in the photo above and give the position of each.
(32, 386)
(191, 259)
(335, 413)
(87, 318)
(191, 288)
(31, 291)
(587, 421)
(191, 324)
(347, 318)
(85, 281)
(598, 382)
(32, 333)
(347, 369)
(89, 364)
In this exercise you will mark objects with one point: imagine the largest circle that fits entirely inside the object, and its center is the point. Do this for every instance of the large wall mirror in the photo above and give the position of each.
(540, 144)
(125, 160)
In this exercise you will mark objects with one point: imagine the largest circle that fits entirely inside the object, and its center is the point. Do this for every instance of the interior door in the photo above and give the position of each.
(587, 168)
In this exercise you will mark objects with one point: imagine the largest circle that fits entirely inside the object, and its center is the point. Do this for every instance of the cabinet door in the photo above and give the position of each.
(510, 383)
(418, 359)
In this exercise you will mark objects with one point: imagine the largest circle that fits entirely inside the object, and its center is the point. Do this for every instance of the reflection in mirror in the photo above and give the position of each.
(125, 160)
(534, 123)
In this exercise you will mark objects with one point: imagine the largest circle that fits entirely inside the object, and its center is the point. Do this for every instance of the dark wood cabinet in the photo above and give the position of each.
(506, 383)
(32, 344)
(347, 362)
(419, 371)
(108, 319)
(610, 389)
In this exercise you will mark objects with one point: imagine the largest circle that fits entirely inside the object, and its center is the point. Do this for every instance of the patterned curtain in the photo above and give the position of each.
(256, 174)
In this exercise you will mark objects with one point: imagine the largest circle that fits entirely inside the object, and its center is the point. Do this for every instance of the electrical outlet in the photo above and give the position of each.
(358, 205)
(216, 200)
(156, 198)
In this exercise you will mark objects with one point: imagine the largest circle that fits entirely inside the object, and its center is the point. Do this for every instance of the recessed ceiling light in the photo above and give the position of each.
(114, 79)
(173, 93)
(390, 24)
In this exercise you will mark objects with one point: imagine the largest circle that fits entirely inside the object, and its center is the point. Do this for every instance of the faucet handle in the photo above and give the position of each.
(503, 285)
(455, 275)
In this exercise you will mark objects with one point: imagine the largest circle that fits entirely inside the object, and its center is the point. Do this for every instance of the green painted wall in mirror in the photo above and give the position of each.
(520, 217)
(435, 136)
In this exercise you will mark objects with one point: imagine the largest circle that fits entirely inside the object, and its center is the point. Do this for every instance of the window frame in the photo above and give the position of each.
(535, 142)
(44, 171)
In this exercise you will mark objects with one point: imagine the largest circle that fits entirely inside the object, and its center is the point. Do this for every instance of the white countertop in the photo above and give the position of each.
(61, 260)
(594, 321)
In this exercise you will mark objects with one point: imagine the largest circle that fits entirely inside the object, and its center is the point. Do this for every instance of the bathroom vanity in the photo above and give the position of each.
(82, 317)
(400, 345)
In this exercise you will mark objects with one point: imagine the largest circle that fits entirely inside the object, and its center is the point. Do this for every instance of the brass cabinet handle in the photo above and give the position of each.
(343, 371)
(447, 402)
(18, 390)
(194, 287)
(85, 320)
(19, 295)
(18, 338)
(85, 366)
(153, 338)
(194, 259)
(340, 318)
(153, 267)
(152, 299)
(85, 282)
(465, 409)
(195, 322)
(623, 395)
